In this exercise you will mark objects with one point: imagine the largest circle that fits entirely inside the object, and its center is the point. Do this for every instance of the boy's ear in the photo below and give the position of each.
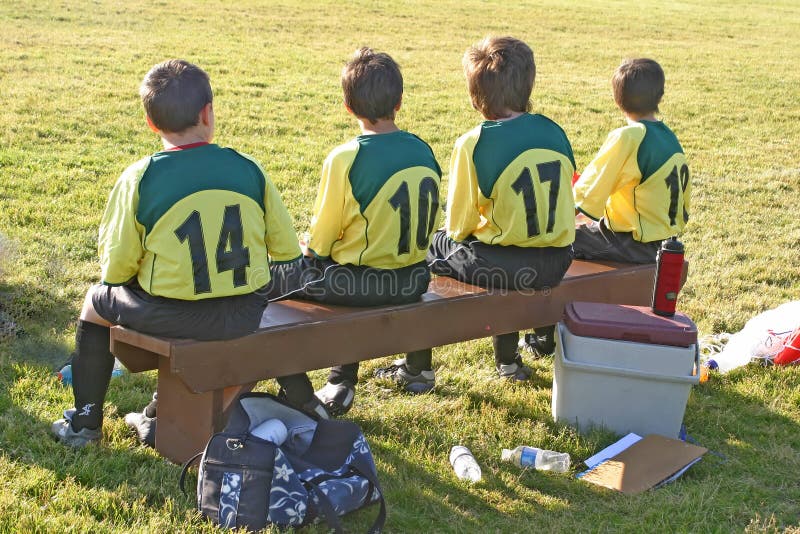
(399, 103)
(349, 110)
(205, 114)
(150, 123)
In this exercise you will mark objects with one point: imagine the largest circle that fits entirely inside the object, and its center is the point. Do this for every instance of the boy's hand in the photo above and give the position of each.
(304, 248)
(581, 219)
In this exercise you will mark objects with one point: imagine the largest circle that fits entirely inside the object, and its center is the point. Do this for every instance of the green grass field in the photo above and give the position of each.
(70, 122)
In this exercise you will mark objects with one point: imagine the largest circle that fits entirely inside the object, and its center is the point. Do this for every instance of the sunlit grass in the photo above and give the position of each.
(70, 122)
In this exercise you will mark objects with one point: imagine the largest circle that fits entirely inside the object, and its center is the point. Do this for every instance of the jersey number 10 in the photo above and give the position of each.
(231, 255)
(428, 205)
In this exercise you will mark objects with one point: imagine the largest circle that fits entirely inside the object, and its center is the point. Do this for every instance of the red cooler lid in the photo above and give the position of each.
(629, 323)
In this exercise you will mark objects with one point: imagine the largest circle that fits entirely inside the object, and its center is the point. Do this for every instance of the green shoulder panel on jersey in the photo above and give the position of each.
(174, 175)
(501, 142)
(657, 147)
(382, 156)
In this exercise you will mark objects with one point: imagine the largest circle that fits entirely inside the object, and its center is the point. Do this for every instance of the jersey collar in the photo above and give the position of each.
(186, 147)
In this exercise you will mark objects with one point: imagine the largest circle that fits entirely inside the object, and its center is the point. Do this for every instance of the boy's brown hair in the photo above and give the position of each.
(173, 93)
(500, 74)
(372, 85)
(638, 86)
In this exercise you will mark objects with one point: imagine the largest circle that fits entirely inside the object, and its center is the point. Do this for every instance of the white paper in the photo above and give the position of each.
(612, 450)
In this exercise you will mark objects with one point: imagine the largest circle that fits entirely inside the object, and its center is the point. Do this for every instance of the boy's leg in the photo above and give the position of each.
(92, 365)
(339, 391)
(413, 373)
(542, 342)
(451, 258)
(299, 392)
(351, 285)
(209, 319)
(508, 362)
(530, 269)
(285, 280)
(595, 241)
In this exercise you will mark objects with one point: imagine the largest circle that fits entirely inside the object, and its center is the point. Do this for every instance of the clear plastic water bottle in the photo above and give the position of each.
(540, 459)
(464, 464)
(118, 369)
(65, 375)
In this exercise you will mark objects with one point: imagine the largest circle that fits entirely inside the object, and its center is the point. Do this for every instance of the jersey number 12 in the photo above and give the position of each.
(673, 185)
(231, 255)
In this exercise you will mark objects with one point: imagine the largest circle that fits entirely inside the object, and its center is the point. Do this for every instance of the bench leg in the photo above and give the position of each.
(186, 420)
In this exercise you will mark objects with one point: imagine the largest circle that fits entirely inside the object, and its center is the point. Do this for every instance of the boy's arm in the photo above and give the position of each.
(280, 238)
(327, 223)
(120, 238)
(463, 216)
(607, 172)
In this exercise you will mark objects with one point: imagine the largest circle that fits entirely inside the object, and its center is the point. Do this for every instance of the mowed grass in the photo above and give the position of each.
(70, 122)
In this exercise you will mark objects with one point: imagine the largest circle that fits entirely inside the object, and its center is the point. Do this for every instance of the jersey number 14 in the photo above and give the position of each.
(231, 254)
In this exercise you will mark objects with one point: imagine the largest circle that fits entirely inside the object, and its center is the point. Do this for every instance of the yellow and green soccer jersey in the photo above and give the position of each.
(194, 224)
(510, 184)
(639, 182)
(378, 202)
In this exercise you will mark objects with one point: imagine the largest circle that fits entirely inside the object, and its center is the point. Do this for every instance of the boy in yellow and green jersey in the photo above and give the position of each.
(510, 209)
(185, 247)
(637, 188)
(376, 208)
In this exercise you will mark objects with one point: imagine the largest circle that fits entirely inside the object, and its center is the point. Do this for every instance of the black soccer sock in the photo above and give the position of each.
(297, 388)
(505, 348)
(340, 373)
(545, 339)
(419, 360)
(91, 372)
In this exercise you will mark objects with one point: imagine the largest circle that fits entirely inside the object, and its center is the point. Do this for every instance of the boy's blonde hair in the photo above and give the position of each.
(173, 93)
(638, 86)
(372, 85)
(500, 73)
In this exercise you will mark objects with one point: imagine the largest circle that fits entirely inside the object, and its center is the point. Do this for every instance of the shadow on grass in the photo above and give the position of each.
(33, 318)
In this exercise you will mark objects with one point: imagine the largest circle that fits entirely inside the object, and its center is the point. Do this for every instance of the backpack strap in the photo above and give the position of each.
(326, 508)
(185, 470)
(365, 471)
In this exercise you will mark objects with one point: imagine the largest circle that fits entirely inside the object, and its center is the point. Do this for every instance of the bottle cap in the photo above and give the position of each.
(457, 451)
(672, 244)
(506, 454)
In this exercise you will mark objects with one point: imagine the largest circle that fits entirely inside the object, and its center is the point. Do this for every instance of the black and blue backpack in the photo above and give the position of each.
(322, 470)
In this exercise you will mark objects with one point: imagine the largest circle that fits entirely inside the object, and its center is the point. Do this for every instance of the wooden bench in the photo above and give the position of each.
(197, 381)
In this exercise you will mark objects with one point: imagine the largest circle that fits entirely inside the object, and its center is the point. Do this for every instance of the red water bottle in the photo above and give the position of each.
(669, 270)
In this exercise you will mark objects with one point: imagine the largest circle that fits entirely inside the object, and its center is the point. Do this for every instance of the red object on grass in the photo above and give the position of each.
(791, 349)
(575, 177)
